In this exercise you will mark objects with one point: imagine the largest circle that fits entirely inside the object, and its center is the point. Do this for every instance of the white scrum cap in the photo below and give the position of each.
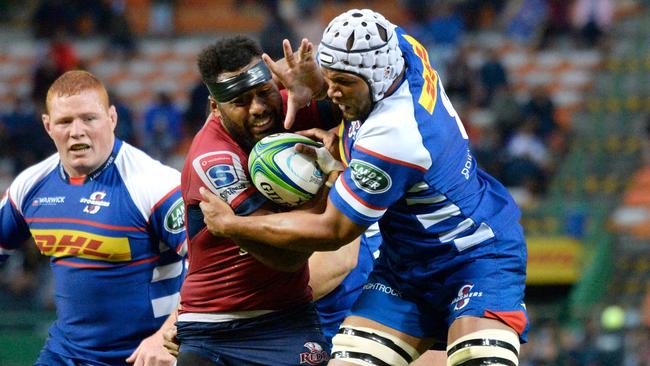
(365, 43)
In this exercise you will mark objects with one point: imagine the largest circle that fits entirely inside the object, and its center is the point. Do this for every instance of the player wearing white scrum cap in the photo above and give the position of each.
(363, 42)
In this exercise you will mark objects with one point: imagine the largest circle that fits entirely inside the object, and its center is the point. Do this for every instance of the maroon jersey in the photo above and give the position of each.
(221, 277)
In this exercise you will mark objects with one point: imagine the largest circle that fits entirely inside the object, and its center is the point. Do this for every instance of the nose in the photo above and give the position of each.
(77, 128)
(258, 106)
(333, 91)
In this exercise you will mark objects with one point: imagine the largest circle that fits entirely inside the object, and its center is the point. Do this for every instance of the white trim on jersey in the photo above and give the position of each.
(429, 219)
(148, 180)
(164, 306)
(354, 203)
(26, 180)
(167, 271)
(221, 317)
(419, 187)
(450, 235)
(425, 200)
(372, 230)
(483, 233)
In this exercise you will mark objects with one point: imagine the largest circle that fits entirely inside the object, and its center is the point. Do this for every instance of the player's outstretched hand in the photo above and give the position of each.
(152, 352)
(215, 212)
(300, 74)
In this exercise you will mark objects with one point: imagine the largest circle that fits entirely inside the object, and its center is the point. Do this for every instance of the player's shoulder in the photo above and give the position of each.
(213, 137)
(28, 178)
(391, 130)
(137, 168)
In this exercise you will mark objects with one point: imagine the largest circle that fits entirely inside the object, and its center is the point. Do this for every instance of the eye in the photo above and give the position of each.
(265, 92)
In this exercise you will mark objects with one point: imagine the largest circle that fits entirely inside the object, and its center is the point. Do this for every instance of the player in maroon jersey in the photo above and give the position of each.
(244, 303)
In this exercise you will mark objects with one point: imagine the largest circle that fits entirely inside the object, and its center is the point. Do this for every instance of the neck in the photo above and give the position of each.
(395, 83)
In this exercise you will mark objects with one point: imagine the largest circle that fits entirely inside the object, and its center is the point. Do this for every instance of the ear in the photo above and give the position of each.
(112, 114)
(214, 108)
(46, 123)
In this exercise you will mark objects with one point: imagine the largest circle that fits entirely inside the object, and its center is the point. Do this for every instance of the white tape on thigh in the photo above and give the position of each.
(354, 343)
(485, 344)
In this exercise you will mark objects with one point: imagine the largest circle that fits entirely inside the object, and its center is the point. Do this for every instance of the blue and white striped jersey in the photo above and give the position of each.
(409, 167)
(116, 243)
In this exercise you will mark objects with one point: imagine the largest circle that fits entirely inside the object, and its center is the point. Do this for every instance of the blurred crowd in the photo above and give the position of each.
(610, 335)
(515, 137)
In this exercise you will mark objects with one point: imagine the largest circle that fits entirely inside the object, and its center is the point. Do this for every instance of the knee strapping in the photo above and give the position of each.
(485, 347)
(366, 346)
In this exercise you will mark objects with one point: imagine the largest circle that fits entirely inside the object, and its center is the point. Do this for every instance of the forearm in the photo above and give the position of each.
(298, 231)
(328, 269)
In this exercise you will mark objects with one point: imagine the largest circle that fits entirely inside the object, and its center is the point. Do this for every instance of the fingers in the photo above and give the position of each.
(288, 52)
(133, 356)
(331, 179)
(170, 342)
(271, 64)
(290, 118)
(305, 149)
(314, 134)
(171, 347)
(206, 195)
(306, 50)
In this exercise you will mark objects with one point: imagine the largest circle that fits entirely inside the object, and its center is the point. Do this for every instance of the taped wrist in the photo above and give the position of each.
(326, 161)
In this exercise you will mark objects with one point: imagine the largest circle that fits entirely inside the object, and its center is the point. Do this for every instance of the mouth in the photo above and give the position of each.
(259, 126)
(345, 109)
(79, 147)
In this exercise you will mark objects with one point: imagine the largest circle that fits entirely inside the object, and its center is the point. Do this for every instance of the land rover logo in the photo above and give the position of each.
(175, 217)
(369, 178)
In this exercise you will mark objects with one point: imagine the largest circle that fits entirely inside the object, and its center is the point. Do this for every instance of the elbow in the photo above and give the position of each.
(334, 242)
(337, 237)
(351, 263)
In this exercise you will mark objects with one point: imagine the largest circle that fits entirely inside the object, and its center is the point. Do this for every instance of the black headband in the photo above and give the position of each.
(230, 88)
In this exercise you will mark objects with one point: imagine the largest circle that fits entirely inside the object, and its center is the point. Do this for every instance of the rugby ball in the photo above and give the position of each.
(280, 173)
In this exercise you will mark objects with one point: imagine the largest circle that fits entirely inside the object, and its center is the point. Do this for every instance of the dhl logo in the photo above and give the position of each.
(429, 94)
(73, 243)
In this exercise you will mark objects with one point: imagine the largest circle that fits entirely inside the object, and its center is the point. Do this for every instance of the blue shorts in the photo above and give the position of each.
(491, 285)
(282, 338)
(334, 307)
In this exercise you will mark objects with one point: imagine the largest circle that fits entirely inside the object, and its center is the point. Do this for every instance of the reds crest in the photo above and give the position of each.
(315, 354)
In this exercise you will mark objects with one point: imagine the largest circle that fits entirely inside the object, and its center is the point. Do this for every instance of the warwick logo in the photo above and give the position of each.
(95, 202)
(48, 201)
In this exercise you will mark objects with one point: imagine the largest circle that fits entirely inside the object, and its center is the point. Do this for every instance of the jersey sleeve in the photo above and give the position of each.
(223, 172)
(168, 221)
(370, 184)
(13, 228)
